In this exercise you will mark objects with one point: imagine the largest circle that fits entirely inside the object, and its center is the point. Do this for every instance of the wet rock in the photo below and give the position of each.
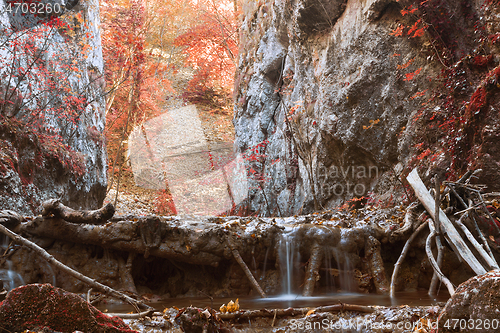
(42, 306)
(474, 306)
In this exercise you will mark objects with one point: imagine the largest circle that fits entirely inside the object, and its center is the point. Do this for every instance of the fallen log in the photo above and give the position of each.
(295, 311)
(56, 208)
(448, 229)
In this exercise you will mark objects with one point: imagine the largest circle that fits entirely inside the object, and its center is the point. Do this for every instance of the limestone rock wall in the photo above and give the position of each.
(327, 95)
(58, 152)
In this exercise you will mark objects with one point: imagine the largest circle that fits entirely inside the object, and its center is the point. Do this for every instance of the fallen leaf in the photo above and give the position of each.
(310, 312)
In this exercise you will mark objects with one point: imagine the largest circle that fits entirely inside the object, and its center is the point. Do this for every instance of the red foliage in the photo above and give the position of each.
(481, 60)
(495, 38)
(211, 47)
(164, 204)
(477, 101)
(411, 76)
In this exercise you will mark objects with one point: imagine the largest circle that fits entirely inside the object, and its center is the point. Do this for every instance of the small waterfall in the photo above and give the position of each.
(331, 271)
(345, 271)
(288, 256)
(8, 277)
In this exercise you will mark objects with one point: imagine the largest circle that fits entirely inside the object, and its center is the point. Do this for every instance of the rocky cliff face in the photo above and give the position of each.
(338, 99)
(52, 105)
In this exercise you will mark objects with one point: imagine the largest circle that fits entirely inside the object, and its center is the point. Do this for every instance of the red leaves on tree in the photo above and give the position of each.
(211, 48)
(415, 31)
(411, 76)
(410, 10)
(398, 31)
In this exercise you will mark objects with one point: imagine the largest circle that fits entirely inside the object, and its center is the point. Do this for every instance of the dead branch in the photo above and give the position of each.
(472, 207)
(397, 265)
(295, 311)
(372, 250)
(433, 262)
(437, 202)
(56, 208)
(245, 268)
(489, 260)
(435, 277)
(134, 315)
(488, 212)
(54, 262)
(450, 233)
(439, 245)
(312, 273)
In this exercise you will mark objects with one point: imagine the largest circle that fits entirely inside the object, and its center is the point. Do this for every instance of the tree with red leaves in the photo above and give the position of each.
(211, 48)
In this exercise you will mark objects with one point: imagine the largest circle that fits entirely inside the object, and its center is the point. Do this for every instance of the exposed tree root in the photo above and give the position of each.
(312, 273)
(56, 208)
(435, 277)
(397, 265)
(372, 249)
(433, 262)
(409, 222)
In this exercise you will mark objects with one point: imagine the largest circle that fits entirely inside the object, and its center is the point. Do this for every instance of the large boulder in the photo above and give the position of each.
(42, 306)
(474, 307)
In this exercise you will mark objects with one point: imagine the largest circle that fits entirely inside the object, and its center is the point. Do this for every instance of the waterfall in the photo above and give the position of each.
(8, 277)
(288, 257)
(345, 271)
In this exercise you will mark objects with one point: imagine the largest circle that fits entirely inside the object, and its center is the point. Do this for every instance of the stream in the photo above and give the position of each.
(284, 301)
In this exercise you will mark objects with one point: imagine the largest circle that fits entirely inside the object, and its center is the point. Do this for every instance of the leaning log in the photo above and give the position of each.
(448, 229)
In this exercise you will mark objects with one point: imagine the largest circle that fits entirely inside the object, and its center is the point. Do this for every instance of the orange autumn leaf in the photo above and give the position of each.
(398, 31)
(414, 27)
(411, 76)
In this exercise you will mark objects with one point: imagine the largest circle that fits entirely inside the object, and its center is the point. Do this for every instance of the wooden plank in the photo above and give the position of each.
(448, 229)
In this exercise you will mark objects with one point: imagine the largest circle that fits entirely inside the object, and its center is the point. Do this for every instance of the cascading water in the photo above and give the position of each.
(8, 277)
(336, 265)
(288, 256)
(345, 271)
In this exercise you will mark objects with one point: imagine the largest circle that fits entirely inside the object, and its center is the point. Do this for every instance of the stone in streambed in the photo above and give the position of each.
(475, 306)
(42, 306)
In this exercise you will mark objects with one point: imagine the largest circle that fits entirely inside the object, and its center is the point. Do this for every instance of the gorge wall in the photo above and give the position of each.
(52, 105)
(340, 99)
